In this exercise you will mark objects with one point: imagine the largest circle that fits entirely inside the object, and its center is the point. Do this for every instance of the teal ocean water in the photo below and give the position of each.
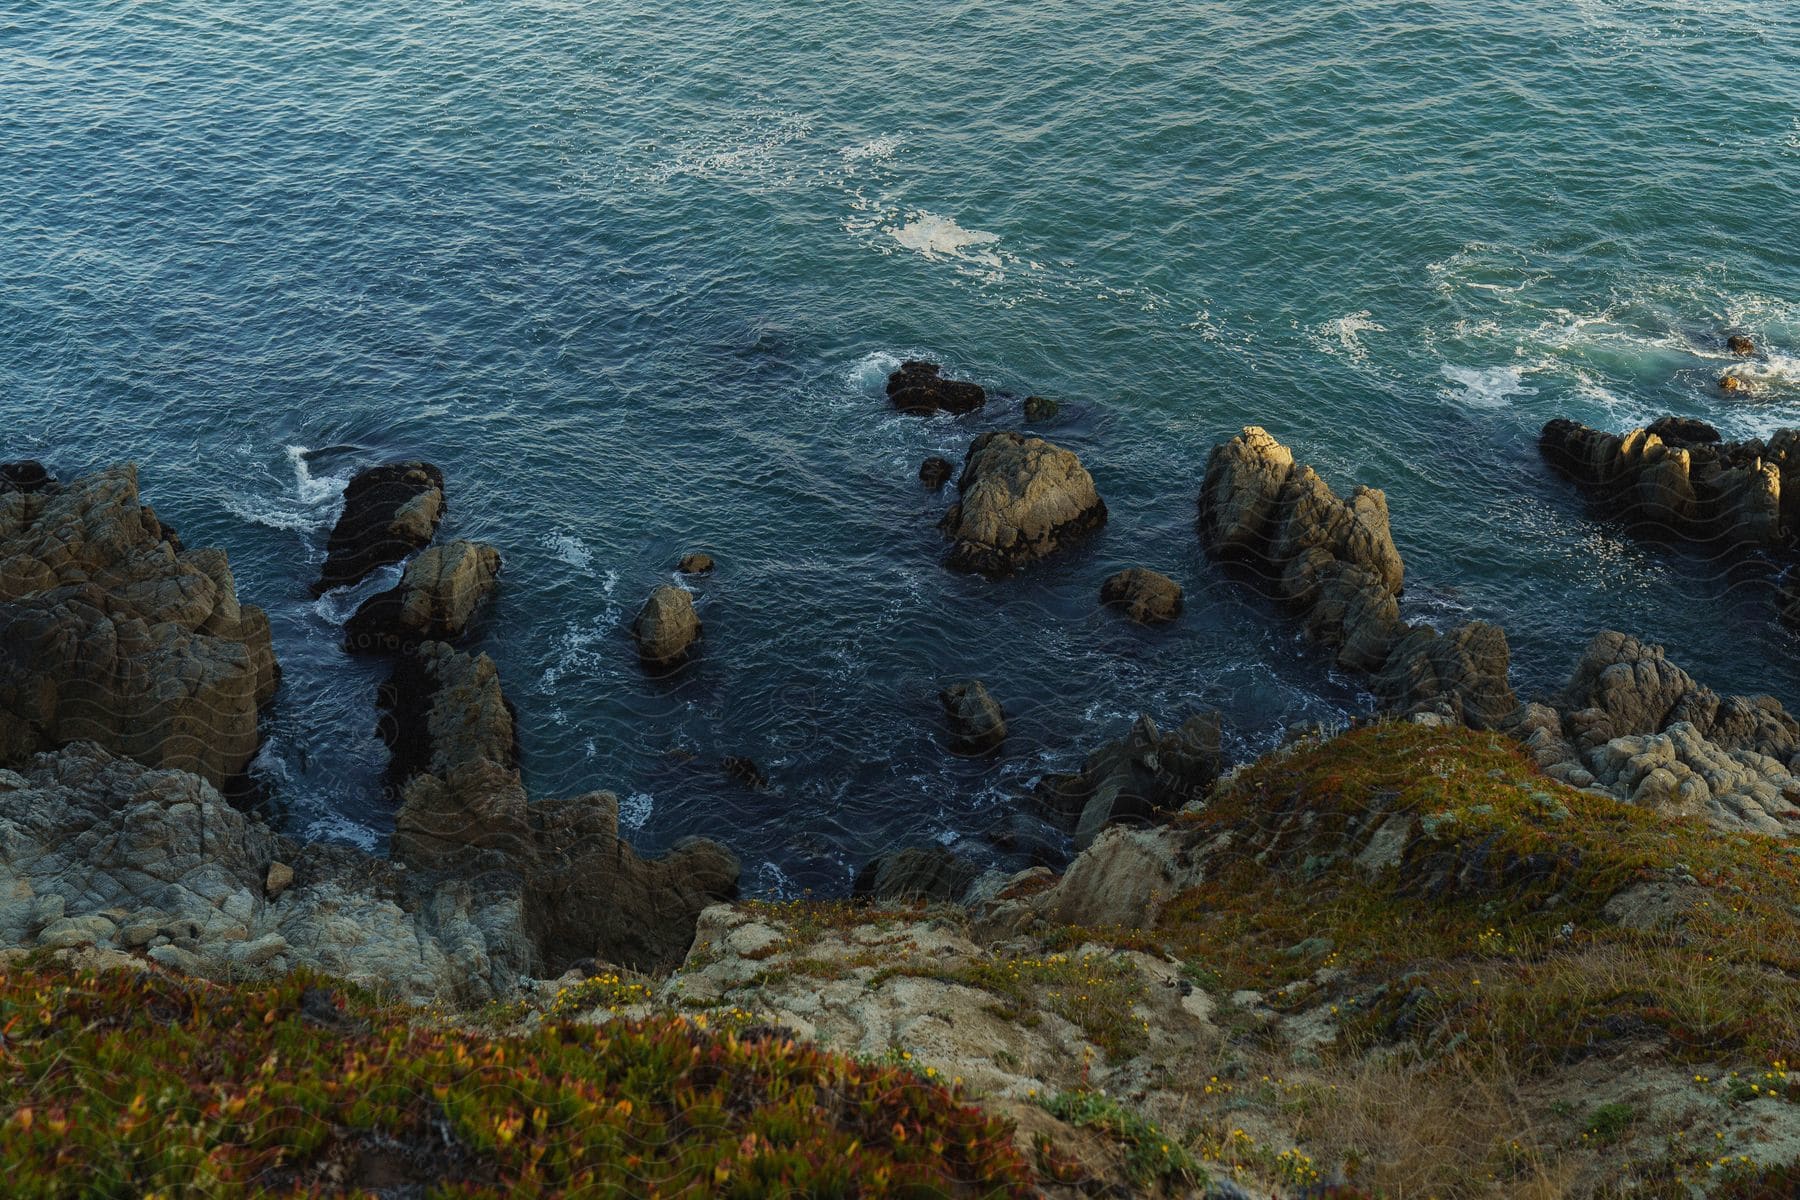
(633, 273)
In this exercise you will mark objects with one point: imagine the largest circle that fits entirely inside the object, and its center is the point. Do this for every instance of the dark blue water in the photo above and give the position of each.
(633, 273)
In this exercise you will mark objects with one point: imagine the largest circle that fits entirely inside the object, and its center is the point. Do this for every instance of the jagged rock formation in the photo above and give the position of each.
(1147, 597)
(580, 889)
(918, 387)
(1020, 499)
(915, 873)
(389, 511)
(98, 850)
(111, 632)
(1676, 479)
(1333, 561)
(1142, 777)
(1633, 724)
(435, 600)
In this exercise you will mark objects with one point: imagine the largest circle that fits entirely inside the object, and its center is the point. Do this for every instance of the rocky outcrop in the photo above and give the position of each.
(98, 850)
(666, 629)
(1333, 561)
(1635, 725)
(1147, 597)
(1140, 778)
(1021, 498)
(918, 387)
(916, 873)
(580, 889)
(389, 512)
(1676, 479)
(436, 600)
(110, 632)
(975, 720)
(935, 472)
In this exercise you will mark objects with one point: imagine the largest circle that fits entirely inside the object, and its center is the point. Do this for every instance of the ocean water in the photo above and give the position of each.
(632, 273)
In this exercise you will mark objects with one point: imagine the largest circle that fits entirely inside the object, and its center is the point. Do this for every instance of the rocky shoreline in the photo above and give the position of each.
(133, 678)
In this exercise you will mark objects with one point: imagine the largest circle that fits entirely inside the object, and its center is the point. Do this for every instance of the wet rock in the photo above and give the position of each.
(436, 599)
(1040, 408)
(389, 512)
(916, 873)
(1740, 345)
(977, 724)
(935, 472)
(666, 629)
(1140, 778)
(695, 564)
(1148, 597)
(919, 387)
(1733, 383)
(111, 633)
(1021, 498)
(27, 475)
(442, 709)
(744, 772)
(1684, 431)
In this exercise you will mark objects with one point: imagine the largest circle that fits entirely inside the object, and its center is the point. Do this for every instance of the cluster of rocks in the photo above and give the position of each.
(1677, 479)
(1333, 562)
(112, 632)
(1636, 726)
(129, 689)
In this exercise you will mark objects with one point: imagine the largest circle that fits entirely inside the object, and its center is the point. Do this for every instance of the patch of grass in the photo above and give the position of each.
(1152, 1158)
(1610, 1122)
(137, 1083)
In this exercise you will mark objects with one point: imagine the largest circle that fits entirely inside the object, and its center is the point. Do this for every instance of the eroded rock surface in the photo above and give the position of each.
(1147, 597)
(389, 512)
(1021, 498)
(110, 632)
(436, 600)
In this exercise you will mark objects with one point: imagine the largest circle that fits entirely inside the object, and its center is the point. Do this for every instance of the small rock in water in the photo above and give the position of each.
(1731, 383)
(1740, 345)
(935, 472)
(1040, 408)
(1147, 597)
(695, 564)
(745, 771)
(917, 387)
(976, 721)
(666, 628)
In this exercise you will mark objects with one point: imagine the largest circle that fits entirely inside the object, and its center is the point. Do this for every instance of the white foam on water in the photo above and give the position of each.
(570, 549)
(1487, 387)
(339, 604)
(635, 809)
(937, 236)
(1344, 335)
(870, 372)
(1775, 372)
(746, 149)
(878, 149)
(578, 646)
(771, 880)
(313, 506)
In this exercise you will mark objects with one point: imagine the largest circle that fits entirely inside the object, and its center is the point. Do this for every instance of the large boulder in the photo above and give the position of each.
(919, 387)
(1147, 597)
(110, 632)
(977, 724)
(436, 599)
(389, 512)
(666, 628)
(1021, 498)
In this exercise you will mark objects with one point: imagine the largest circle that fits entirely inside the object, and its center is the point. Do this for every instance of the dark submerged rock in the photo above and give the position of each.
(976, 722)
(695, 564)
(1041, 408)
(1139, 778)
(389, 512)
(935, 472)
(744, 771)
(918, 387)
(1740, 345)
(27, 475)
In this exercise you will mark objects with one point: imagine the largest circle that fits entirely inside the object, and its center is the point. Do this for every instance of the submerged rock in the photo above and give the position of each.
(744, 772)
(1147, 597)
(666, 628)
(435, 600)
(1021, 498)
(918, 387)
(935, 472)
(389, 512)
(1041, 408)
(110, 632)
(695, 564)
(977, 724)
(1142, 777)
(1740, 345)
